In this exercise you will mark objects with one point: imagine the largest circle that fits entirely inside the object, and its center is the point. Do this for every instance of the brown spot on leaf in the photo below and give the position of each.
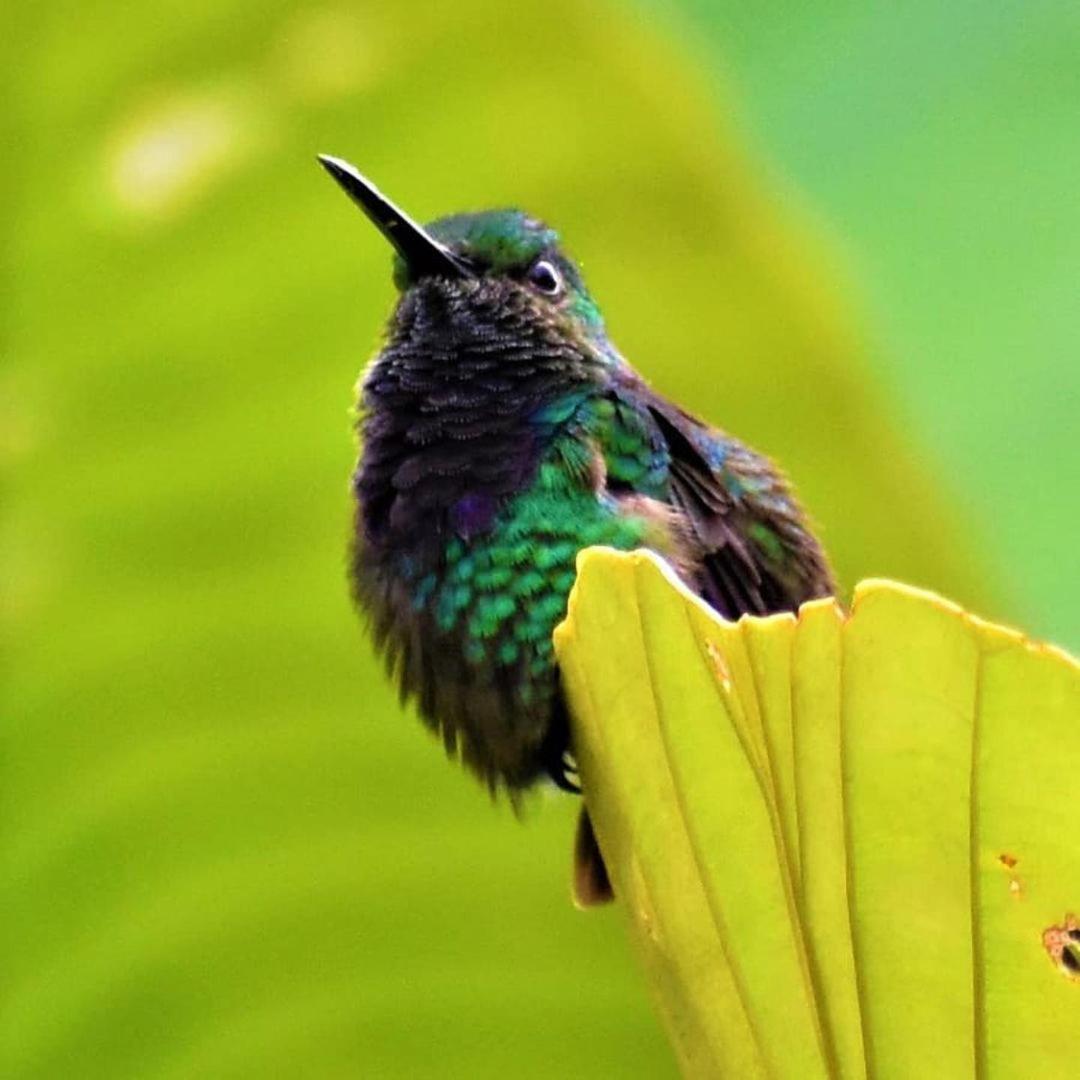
(719, 667)
(1009, 862)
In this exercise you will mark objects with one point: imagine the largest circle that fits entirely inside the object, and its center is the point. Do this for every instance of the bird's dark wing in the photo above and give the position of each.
(757, 555)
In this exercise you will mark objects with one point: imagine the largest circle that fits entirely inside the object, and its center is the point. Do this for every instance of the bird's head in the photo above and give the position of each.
(470, 274)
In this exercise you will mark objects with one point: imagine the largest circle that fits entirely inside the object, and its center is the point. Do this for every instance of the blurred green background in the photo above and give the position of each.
(847, 234)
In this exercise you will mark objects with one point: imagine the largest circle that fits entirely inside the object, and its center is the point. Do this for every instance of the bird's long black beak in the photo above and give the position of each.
(423, 254)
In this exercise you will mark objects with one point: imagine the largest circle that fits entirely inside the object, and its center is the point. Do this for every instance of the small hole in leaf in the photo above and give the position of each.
(1062, 945)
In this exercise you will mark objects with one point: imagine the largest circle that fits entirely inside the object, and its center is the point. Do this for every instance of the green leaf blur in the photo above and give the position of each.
(226, 851)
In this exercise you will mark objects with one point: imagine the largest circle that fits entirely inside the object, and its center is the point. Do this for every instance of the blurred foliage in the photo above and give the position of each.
(942, 141)
(224, 849)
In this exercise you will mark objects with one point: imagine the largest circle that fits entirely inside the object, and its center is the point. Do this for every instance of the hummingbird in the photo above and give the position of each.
(502, 432)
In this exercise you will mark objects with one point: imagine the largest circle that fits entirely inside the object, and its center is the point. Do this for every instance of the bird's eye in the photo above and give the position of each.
(544, 276)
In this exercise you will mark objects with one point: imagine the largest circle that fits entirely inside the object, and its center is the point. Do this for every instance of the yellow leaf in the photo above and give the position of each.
(846, 843)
